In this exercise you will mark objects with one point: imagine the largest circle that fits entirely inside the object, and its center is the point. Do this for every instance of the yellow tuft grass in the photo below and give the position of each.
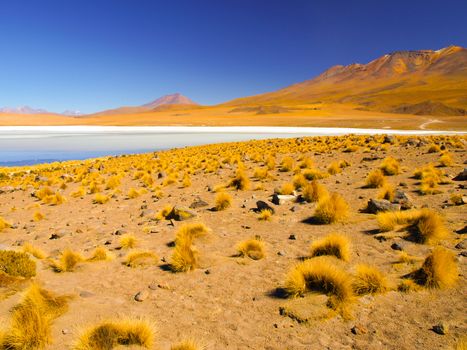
(387, 192)
(67, 262)
(185, 256)
(240, 181)
(331, 209)
(100, 254)
(287, 164)
(223, 201)
(17, 264)
(439, 270)
(390, 166)
(4, 224)
(31, 319)
(141, 258)
(375, 179)
(265, 215)
(80, 192)
(113, 182)
(253, 248)
(429, 227)
(110, 334)
(369, 280)
(128, 241)
(287, 188)
(314, 191)
(187, 345)
(38, 216)
(164, 212)
(320, 275)
(334, 168)
(34, 251)
(100, 198)
(446, 160)
(335, 244)
(389, 220)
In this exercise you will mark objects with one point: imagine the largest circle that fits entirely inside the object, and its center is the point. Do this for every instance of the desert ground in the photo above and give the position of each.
(203, 286)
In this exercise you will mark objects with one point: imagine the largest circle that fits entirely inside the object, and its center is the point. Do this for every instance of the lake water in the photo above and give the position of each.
(30, 145)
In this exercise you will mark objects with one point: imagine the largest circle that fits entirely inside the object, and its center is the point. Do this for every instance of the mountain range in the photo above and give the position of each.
(423, 83)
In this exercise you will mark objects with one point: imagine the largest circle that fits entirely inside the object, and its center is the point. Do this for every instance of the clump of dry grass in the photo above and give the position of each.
(375, 179)
(387, 192)
(456, 199)
(17, 264)
(314, 191)
(369, 280)
(439, 270)
(314, 174)
(253, 248)
(34, 251)
(31, 319)
(4, 224)
(265, 215)
(408, 285)
(141, 258)
(240, 181)
(187, 345)
(287, 188)
(287, 164)
(164, 212)
(113, 182)
(128, 241)
(260, 173)
(100, 254)
(110, 334)
(67, 262)
(446, 160)
(100, 198)
(320, 275)
(331, 209)
(390, 166)
(185, 256)
(38, 216)
(223, 201)
(334, 168)
(388, 220)
(80, 192)
(335, 244)
(429, 227)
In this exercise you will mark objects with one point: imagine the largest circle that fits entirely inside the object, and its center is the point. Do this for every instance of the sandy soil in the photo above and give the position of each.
(228, 302)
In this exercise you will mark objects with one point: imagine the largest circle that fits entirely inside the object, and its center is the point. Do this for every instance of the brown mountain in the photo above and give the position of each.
(173, 101)
(424, 82)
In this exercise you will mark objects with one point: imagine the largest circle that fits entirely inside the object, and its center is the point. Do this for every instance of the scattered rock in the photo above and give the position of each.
(397, 246)
(462, 176)
(377, 205)
(55, 236)
(85, 294)
(462, 245)
(359, 329)
(292, 237)
(120, 232)
(180, 214)
(441, 328)
(389, 139)
(198, 203)
(400, 197)
(146, 212)
(141, 296)
(207, 272)
(65, 331)
(281, 253)
(463, 253)
(262, 205)
(279, 199)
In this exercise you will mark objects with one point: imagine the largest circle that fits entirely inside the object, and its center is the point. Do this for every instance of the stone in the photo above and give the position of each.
(141, 296)
(281, 253)
(441, 328)
(358, 329)
(397, 246)
(198, 203)
(389, 139)
(262, 205)
(462, 176)
(153, 286)
(292, 237)
(146, 212)
(462, 245)
(179, 213)
(279, 199)
(402, 198)
(119, 232)
(377, 205)
(65, 331)
(85, 294)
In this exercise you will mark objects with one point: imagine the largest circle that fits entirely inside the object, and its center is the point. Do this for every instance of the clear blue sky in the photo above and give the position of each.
(91, 55)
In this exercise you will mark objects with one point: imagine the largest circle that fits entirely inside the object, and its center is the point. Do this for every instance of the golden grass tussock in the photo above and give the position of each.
(314, 191)
(287, 164)
(110, 334)
(387, 192)
(164, 212)
(141, 258)
(240, 181)
(287, 188)
(331, 209)
(34, 251)
(260, 173)
(128, 241)
(67, 262)
(375, 179)
(439, 270)
(456, 199)
(389, 220)
(334, 244)
(31, 319)
(185, 256)
(252, 248)
(100, 254)
(113, 182)
(133, 193)
(321, 275)
(314, 174)
(223, 201)
(334, 168)
(187, 345)
(369, 280)
(407, 286)
(38, 216)
(390, 166)
(17, 264)
(4, 224)
(446, 160)
(265, 215)
(100, 198)
(80, 192)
